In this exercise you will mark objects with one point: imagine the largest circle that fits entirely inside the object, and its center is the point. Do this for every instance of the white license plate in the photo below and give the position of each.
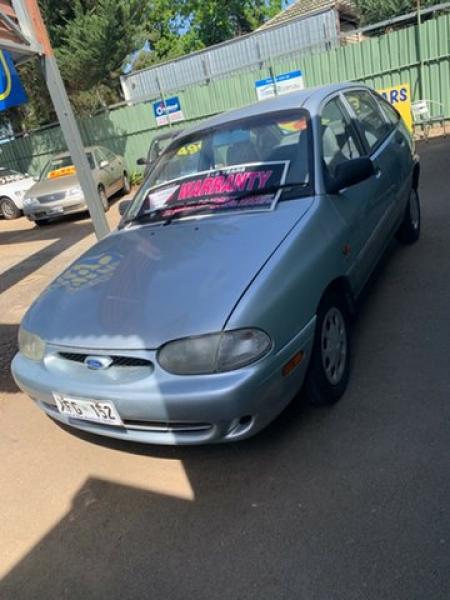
(56, 211)
(88, 410)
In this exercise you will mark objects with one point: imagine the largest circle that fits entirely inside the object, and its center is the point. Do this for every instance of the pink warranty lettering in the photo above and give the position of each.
(220, 184)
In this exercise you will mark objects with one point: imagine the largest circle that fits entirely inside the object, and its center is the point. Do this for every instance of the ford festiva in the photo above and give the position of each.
(58, 191)
(231, 281)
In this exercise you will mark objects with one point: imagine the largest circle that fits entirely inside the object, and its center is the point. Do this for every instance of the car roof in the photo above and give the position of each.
(66, 153)
(310, 98)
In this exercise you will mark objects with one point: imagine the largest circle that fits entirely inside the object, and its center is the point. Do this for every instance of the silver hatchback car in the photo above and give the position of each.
(232, 279)
(58, 191)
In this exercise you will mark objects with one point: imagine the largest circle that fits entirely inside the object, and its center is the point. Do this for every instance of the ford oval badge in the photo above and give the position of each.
(97, 363)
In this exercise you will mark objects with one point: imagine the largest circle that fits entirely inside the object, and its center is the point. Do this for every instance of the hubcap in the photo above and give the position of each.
(334, 345)
(103, 198)
(414, 210)
(7, 209)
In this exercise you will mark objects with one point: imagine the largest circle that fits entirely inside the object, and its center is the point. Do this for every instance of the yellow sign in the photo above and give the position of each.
(62, 172)
(189, 149)
(400, 97)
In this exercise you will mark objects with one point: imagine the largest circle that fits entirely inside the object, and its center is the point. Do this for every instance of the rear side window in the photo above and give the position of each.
(339, 143)
(371, 121)
(390, 112)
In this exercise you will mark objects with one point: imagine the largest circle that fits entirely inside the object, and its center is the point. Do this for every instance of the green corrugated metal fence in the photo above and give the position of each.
(380, 62)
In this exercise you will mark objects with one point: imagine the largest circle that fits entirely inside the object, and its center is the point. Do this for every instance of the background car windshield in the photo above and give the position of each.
(266, 151)
(8, 173)
(63, 162)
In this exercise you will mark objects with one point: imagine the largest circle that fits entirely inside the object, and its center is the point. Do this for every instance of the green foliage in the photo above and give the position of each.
(374, 11)
(136, 178)
(93, 39)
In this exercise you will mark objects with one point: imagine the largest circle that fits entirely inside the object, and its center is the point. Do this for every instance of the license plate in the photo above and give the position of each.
(56, 211)
(88, 410)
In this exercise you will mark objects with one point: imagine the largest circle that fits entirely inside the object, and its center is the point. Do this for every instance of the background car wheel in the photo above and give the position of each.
(329, 369)
(409, 230)
(126, 184)
(41, 222)
(104, 198)
(8, 209)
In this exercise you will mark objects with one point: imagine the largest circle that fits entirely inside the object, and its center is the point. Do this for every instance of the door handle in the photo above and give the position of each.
(378, 172)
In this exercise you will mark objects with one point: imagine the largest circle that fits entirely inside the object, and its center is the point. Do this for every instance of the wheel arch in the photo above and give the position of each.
(416, 176)
(341, 286)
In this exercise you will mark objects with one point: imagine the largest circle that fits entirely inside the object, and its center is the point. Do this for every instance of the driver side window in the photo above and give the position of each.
(339, 142)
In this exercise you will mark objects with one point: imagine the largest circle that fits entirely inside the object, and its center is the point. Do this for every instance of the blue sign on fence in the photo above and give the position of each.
(170, 108)
(11, 88)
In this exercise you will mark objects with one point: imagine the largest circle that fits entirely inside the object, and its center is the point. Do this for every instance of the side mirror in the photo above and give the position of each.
(142, 161)
(124, 206)
(103, 164)
(350, 173)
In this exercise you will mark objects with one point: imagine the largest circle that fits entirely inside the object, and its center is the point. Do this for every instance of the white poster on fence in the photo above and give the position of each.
(285, 83)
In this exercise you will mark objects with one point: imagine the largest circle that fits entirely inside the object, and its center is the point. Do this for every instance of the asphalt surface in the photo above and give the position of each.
(348, 503)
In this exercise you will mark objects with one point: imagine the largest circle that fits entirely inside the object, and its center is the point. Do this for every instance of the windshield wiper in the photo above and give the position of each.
(206, 205)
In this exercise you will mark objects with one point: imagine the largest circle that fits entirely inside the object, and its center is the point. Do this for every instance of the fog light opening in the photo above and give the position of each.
(244, 421)
(240, 426)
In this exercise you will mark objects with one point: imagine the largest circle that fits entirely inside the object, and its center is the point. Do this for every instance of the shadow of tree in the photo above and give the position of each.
(8, 348)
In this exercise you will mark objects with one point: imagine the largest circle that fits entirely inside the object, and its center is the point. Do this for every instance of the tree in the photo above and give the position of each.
(374, 11)
(93, 39)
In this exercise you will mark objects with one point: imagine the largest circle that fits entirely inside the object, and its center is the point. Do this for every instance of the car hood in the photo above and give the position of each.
(52, 186)
(141, 287)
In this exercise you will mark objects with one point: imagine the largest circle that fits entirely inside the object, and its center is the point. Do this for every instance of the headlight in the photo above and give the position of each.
(75, 191)
(30, 201)
(214, 353)
(31, 345)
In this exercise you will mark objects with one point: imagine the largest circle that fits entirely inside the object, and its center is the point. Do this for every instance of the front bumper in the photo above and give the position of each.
(160, 408)
(48, 210)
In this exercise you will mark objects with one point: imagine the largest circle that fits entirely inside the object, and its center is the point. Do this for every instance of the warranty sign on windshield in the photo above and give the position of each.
(249, 186)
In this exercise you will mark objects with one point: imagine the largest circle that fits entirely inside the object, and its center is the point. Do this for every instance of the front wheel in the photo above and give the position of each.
(329, 369)
(8, 209)
(409, 230)
(126, 188)
(103, 198)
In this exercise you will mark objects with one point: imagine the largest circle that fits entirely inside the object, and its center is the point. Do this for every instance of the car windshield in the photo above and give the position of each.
(244, 164)
(158, 146)
(9, 173)
(63, 165)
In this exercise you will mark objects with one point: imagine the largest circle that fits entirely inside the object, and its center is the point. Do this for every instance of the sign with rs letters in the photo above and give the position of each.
(400, 97)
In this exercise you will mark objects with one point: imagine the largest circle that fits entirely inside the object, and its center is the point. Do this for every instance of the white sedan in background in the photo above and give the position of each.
(13, 186)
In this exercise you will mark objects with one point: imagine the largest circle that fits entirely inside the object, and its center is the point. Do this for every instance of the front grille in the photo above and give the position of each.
(118, 361)
(166, 426)
(51, 197)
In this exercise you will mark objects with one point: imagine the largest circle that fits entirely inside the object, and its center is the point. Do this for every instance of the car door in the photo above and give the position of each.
(115, 168)
(105, 174)
(381, 206)
(341, 142)
(402, 148)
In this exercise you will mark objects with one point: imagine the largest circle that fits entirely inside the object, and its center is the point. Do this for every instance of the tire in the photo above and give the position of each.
(329, 368)
(103, 197)
(8, 209)
(409, 230)
(41, 222)
(126, 189)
